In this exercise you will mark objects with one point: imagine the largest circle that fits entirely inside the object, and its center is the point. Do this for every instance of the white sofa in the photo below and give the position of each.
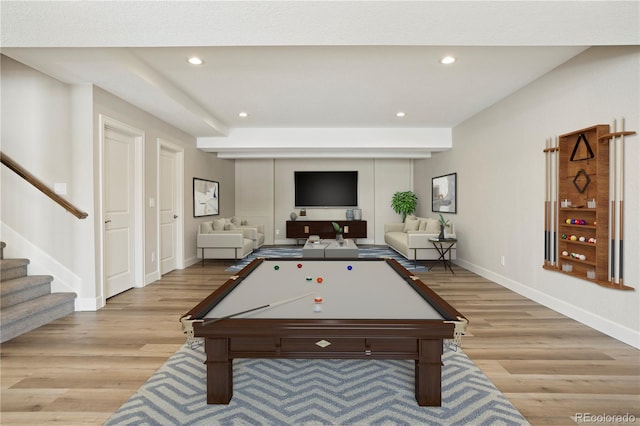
(411, 238)
(228, 238)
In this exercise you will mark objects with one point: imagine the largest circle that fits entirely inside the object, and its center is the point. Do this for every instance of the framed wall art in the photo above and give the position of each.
(443, 193)
(206, 197)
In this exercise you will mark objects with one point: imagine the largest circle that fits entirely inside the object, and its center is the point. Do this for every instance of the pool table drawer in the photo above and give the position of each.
(353, 345)
(394, 346)
(363, 346)
(268, 345)
(319, 345)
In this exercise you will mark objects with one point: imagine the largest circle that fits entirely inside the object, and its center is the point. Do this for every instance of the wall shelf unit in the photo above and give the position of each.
(579, 225)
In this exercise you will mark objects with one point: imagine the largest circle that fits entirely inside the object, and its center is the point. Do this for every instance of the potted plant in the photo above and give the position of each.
(404, 203)
(443, 224)
(338, 229)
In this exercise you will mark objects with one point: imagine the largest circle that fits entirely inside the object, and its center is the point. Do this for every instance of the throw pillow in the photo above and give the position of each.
(206, 227)
(411, 225)
(218, 224)
(236, 221)
(433, 226)
(229, 227)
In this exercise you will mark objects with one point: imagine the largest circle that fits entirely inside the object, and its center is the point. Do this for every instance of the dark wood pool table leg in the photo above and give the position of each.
(428, 374)
(219, 371)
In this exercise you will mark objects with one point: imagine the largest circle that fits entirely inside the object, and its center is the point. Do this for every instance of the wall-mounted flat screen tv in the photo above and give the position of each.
(326, 189)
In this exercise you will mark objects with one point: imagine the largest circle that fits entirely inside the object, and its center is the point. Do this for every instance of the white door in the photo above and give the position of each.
(119, 214)
(168, 210)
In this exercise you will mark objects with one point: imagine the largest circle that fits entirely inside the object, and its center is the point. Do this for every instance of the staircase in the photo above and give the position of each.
(26, 301)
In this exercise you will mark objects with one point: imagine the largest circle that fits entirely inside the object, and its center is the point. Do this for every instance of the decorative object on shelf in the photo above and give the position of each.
(205, 197)
(303, 212)
(580, 174)
(357, 214)
(349, 214)
(293, 216)
(582, 140)
(443, 224)
(338, 229)
(404, 203)
(581, 181)
(443, 193)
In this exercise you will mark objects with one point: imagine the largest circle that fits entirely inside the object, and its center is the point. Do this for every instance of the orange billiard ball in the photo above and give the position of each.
(319, 280)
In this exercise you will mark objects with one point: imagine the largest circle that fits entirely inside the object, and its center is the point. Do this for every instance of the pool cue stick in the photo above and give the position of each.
(620, 201)
(616, 213)
(555, 174)
(268, 305)
(550, 203)
(612, 207)
(546, 202)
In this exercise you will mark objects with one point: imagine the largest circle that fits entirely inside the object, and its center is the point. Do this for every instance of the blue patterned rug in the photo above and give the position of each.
(316, 392)
(267, 252)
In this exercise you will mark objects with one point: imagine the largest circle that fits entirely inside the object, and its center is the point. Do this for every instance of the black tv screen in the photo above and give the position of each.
(326, 189)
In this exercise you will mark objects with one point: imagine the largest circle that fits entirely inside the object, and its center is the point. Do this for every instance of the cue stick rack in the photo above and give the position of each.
(584, 204)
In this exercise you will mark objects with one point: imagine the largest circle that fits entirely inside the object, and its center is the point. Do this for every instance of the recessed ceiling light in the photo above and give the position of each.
(194, 60)
(400, 114)
(243, 114)
(447, 60)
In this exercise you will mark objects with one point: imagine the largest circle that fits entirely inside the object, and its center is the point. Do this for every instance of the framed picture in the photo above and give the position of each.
(206, 197)
(443, 194)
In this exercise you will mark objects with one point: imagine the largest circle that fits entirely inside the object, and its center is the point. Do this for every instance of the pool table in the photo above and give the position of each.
(318, 308)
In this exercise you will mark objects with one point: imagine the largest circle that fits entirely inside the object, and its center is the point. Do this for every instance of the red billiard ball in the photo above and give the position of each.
(299, 265)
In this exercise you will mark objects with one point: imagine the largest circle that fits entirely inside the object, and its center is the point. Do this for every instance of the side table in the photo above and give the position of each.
(444, 246)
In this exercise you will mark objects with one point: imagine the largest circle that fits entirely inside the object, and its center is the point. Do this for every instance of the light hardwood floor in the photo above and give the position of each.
(80, 369)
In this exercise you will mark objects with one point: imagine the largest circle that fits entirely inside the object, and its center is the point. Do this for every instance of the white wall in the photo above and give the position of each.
(52, 129)
(501, 175)
(265, 191)
(196, 164)
(42, 131)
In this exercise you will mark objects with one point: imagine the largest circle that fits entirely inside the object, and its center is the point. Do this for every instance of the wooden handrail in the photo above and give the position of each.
(22, 172)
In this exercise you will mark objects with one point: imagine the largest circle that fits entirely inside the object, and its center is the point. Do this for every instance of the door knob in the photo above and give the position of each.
(175, 216)
(107, 221)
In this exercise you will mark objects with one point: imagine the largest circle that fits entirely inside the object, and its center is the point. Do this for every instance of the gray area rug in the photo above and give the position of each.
(364, 252)
(316, 392)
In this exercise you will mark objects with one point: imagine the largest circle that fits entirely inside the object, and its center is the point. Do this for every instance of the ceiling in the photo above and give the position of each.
(308, 65)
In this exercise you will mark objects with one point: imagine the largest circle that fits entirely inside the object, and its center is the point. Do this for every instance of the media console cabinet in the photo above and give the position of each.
(301, 229)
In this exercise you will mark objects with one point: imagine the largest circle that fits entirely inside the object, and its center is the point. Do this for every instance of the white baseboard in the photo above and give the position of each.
(604, 325)
(191, 261)
(152, 277)
(88, 304)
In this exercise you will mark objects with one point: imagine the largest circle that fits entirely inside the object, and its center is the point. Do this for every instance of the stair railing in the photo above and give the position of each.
(23, 173)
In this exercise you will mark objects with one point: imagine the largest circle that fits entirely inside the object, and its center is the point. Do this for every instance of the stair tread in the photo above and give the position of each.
(11, 263)
(31, 307)
(22, 283)
(13, 268)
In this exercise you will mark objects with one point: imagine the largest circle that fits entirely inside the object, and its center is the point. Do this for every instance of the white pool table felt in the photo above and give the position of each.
(370, 290)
